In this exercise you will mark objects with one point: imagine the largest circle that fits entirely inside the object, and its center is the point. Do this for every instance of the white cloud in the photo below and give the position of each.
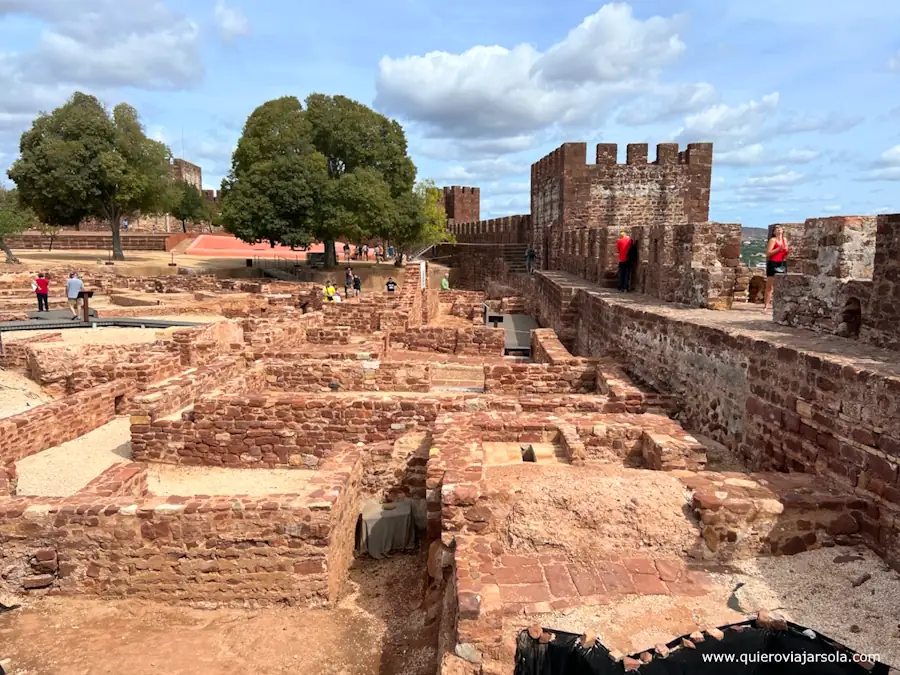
(742, 156)
(894, 63)
(801, 156)
(777, 179)
(890, 157)
(725, 122)
(754, 121)
(885, 168)
(481, 170)
(667, 101)
(756, 154)
(108, 43)
(493, 91)
(231, 22)
(832, 208)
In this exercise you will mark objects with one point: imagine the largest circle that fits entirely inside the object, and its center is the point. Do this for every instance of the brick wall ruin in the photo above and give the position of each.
(846, 280)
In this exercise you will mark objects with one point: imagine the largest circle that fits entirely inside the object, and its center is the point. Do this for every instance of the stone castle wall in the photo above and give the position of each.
(843, 278)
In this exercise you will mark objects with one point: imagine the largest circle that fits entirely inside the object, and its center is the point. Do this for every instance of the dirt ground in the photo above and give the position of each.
(166, 480)
(18, 393)
(64, 470)
(377, 629)
(607, 509)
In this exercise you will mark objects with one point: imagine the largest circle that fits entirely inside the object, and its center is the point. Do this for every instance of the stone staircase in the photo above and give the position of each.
(457, 377)
(514, 257)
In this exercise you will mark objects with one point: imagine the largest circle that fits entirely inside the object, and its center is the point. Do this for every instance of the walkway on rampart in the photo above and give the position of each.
(751, 322)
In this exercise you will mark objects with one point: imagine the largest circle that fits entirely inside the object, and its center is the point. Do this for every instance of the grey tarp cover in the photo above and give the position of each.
(385, 528)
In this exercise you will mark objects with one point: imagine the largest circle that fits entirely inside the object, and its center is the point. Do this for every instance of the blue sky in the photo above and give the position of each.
(800, 97)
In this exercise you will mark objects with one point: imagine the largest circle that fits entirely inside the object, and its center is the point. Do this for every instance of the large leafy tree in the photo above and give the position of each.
(82, 162)
(14, 218)
(187, 204)
(274, 190)
(370, 174)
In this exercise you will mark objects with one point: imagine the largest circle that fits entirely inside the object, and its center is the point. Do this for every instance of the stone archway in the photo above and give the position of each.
(757, 289)
(851, 318)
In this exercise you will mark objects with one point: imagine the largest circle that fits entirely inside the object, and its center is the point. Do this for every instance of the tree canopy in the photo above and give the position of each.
(186, 203)
(81, 162)
(14, 218)
(334, 169)
(276, 179)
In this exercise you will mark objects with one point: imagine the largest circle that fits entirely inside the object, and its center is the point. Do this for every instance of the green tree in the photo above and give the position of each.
(187, 204)
(370, 174)
(274, 189)
(82, 162)
(422, 220)
(14, 218)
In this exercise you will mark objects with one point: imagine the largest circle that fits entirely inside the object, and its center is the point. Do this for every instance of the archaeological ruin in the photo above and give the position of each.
(625, 467)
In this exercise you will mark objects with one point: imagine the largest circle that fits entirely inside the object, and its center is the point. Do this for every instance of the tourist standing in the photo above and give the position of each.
(776, 261)
(74, 288)
(529, 260)
(346, 252)
(357, 285)
(390, 252)
(42, 290)
(445, 282)
(623, 246)
(348, 281)
(391, 285)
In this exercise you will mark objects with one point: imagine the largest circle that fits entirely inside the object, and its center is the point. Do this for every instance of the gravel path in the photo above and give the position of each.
(166, 480)
(64, 470)
(18, 393)
(816, 589)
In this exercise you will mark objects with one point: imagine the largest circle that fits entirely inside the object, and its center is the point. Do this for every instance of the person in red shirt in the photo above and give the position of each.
(623, 246)
(776, 261)
(42, 289)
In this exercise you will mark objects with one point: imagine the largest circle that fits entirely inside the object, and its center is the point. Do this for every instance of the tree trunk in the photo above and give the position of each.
(183, 226)
(330, 258)
(115, 225)
(11, 258)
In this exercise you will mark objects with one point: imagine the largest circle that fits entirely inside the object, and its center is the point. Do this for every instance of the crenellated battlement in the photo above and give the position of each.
(573, 157)
(505, 230)
(462, 203)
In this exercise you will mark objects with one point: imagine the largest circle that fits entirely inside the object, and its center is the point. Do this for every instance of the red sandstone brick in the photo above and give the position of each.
(649, 584)
(525, 593)
(507, 576)
(561, 585)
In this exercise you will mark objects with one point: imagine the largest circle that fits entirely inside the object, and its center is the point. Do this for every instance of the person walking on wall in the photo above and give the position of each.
(41, 287)
(623, 246)
(529, 260)
(776, 261)
(74, 287)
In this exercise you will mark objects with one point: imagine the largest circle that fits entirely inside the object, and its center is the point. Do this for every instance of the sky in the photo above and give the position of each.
(801, 98)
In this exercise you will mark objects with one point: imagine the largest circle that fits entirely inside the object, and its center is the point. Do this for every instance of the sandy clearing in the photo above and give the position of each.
(167, 480)
(64, 470)
(18, 393)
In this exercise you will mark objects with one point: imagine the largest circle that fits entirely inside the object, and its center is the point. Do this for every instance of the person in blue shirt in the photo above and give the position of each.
(74, 287)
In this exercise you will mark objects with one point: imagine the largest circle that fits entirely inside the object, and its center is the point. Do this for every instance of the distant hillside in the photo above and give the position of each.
(754, 232)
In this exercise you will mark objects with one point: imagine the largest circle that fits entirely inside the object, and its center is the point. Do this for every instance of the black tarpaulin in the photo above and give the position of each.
(747, 651)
